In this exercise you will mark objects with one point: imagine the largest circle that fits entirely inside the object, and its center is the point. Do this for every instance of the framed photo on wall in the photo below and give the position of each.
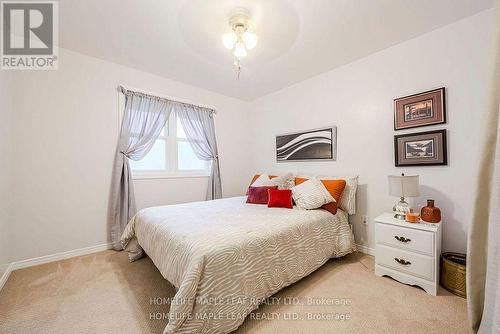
(421, 149)
(427, 108)
(317, 144)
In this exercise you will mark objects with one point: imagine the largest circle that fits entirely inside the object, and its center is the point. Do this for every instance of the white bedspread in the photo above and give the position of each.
(226, 256)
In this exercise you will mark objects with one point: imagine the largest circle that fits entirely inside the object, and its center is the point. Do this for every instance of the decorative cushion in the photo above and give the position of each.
(280, 198)
(259, 195)
(262, 180)
(283, 181)
(348, 200)
(255, 177)
(311, 194)
(286, 181)
(334, 187)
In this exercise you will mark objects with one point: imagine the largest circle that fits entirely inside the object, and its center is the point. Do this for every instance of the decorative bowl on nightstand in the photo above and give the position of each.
(412, 217)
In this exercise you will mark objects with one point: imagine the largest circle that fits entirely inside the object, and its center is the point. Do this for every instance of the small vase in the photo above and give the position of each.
(430, 213)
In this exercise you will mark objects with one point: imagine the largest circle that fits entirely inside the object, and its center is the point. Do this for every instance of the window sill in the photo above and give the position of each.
(169, 176)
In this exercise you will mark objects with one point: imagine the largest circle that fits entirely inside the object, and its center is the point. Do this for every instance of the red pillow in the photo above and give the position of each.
(259, 195)
(280, 198)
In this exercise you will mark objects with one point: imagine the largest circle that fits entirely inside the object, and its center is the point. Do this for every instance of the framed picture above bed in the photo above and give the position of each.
(427, 108)
(421, 149)
(310, 145)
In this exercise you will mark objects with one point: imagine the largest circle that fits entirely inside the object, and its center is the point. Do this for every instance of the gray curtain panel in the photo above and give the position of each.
(143, 119)
(199, 126)
(483, 249)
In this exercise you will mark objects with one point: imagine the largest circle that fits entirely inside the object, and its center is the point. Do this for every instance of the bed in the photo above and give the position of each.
(225, 256)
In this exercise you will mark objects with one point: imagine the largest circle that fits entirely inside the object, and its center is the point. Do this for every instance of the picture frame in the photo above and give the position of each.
(421, 149)
(310, 145)
(422, 109)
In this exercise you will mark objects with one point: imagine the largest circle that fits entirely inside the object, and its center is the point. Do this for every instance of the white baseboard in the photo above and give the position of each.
(366, 250)
(6, 270)
(50, 258)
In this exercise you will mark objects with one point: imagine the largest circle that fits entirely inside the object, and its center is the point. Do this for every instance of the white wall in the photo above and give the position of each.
(65, 133)
(358, 98)
(6, 113)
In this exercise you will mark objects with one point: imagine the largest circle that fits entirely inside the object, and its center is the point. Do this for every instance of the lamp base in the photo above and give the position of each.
(400, 209)
(399, 216)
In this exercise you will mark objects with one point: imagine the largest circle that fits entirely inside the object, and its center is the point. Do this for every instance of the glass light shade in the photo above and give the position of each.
(240, 50)
(403, 186)
(250, 40)
(229, 40)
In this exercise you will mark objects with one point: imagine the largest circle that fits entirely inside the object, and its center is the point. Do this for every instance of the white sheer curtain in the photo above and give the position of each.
(483, 258)
(198, 123)
(144, 117)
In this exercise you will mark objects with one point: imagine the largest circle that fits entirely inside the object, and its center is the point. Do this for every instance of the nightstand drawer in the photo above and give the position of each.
(405, 238)
(403, 261)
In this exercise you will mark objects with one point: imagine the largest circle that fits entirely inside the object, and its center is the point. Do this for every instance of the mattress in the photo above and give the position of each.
(226, 256)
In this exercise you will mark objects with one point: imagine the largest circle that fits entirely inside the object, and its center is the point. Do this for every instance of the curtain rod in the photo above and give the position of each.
(124, 90)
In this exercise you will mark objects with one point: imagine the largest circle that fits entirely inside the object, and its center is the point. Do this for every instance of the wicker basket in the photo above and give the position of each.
(453, 273)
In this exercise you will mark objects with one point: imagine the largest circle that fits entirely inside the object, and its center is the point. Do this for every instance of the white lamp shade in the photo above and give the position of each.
(403, 186)
(229, 40)
(250, 40)
(240, 50)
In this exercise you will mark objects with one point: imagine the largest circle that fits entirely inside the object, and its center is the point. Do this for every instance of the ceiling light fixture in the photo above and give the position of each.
(241, 38)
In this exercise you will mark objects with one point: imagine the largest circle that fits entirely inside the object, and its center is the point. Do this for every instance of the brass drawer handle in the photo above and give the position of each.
(402, 261)
(402, 239)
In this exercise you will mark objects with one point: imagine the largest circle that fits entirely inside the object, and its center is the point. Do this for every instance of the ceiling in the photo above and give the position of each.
(181, 40)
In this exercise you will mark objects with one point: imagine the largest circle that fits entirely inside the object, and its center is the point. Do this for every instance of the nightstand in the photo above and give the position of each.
(408, 252)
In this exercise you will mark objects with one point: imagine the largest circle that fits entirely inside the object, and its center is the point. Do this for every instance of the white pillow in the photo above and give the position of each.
(286, 181)
(262, 180)
(311, 194)
(348, 200)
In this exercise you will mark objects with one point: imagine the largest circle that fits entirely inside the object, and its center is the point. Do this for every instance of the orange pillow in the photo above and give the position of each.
(334, 187)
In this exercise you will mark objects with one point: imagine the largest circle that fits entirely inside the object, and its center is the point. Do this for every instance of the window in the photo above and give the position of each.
(171, 155)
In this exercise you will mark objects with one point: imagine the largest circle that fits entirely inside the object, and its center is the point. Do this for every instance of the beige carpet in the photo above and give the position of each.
(104, 293)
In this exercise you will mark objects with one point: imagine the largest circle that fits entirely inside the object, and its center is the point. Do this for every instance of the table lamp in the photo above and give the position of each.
(403, 186)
